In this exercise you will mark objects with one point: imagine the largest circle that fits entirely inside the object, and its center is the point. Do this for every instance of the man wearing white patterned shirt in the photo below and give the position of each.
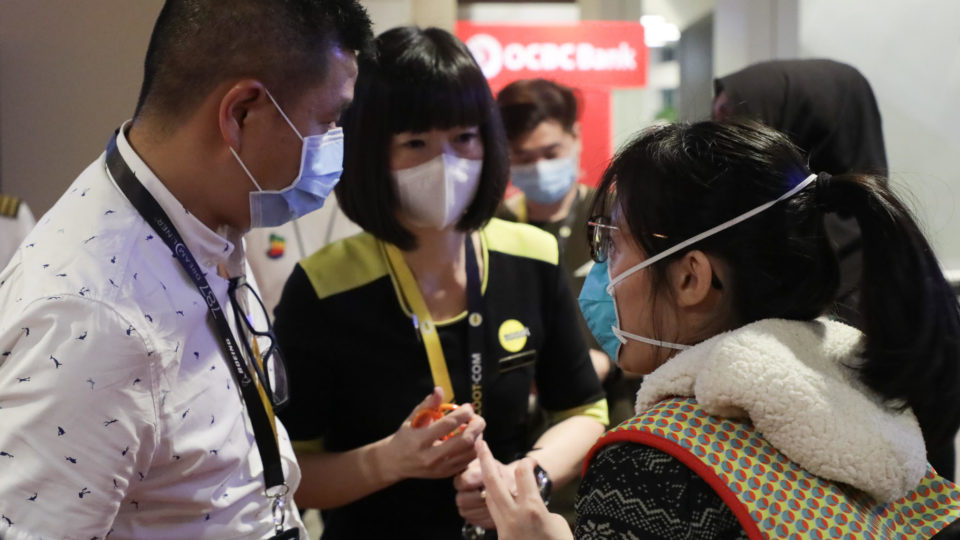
(119, 413)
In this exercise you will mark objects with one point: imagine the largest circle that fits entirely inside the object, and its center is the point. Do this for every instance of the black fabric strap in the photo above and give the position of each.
(569, 223)
(475, 320)
(256, 408)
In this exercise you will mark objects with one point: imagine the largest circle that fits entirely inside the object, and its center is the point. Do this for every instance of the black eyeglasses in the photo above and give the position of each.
(598, 234)
(259, 341)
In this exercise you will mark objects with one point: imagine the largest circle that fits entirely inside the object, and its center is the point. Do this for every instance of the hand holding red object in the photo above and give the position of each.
(428, 416)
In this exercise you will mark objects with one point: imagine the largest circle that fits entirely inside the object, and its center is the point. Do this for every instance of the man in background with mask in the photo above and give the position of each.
(541, 121)
(138, 378)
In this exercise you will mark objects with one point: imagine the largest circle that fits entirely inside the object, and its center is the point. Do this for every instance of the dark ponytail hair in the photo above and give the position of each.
(675, 181)
(909, 312)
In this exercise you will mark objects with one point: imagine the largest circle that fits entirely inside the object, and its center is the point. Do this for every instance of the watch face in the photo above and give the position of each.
(544, 483)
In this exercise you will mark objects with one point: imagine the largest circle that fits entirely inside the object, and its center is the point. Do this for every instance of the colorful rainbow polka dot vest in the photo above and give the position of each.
(773, 497)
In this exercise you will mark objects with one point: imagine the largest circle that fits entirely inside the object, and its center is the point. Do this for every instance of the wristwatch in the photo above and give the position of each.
(543, 482)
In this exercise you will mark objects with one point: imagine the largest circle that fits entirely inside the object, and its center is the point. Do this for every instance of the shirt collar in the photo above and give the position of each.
(209, 247)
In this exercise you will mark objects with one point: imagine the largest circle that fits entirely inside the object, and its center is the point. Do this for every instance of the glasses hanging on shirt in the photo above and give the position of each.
(259, 341)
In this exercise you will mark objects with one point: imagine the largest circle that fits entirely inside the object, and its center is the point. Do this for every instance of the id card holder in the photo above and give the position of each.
(289, 534)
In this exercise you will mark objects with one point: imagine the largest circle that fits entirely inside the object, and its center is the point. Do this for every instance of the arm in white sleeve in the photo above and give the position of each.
(78, 417)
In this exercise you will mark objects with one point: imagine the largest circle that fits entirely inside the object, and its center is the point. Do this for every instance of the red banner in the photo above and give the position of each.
(593, 57)
(603, 54)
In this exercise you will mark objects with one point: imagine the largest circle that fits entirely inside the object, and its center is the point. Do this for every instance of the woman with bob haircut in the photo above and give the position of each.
(433, 299)
(758, 417)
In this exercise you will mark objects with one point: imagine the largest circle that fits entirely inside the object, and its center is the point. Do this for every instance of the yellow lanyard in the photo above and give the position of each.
(422, 320)
(263, 394)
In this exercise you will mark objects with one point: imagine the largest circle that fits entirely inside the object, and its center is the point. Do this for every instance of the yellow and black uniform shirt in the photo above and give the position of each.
(357, 366)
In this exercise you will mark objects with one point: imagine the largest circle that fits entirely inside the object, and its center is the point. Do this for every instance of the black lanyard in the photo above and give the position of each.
(475, 319)
(569, 223)
(256, 408)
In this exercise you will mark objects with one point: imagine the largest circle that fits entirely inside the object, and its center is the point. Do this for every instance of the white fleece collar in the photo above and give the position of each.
(794, 381)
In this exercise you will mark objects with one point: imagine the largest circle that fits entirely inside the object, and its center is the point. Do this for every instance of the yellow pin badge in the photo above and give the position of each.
(513, 335)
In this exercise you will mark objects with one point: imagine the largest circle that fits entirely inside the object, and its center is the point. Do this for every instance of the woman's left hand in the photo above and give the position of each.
(524, 515)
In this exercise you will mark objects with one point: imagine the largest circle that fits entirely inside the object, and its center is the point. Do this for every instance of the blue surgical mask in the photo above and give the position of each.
(321, 163)
(547, 180)
(598, 308)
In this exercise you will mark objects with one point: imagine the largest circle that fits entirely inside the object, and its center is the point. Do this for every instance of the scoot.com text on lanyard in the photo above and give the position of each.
(258, 408)
(427, 330)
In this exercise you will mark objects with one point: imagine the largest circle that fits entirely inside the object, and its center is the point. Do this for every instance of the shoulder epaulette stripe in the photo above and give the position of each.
(345, 265)
(9, 205)
(521, 240)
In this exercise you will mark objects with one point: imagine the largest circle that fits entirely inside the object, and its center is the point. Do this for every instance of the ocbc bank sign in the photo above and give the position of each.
(590, 53)
(494, 56)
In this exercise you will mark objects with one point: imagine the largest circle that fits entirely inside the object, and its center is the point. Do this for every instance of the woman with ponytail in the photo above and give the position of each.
(758, 416)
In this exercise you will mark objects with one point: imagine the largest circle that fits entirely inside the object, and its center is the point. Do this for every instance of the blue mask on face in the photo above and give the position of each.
(599, 310)
(547, 180)
(321, 163)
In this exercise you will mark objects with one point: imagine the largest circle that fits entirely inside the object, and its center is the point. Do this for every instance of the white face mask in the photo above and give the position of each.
(624, 336)
(436, 193)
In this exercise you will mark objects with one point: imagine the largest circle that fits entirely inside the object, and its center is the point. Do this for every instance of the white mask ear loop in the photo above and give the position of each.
(710, 232)
(622, 336)
(293, 127)
(277, 105)
(245, 169)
